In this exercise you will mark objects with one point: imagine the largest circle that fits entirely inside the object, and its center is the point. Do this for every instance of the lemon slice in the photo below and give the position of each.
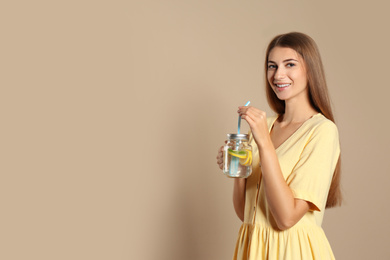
(248, 160)
(238, 154)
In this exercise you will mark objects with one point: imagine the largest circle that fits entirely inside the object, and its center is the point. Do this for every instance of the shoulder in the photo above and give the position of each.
(271, 120)
(320, 124)
(322, 130)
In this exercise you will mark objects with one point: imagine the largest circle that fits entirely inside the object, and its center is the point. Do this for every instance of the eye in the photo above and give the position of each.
(290, 65)
(271, 66)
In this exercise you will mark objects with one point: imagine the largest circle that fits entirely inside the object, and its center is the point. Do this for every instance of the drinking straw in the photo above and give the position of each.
(239, 119)
(234, 162)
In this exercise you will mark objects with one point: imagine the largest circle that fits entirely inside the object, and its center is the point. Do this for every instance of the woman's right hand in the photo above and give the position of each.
(220, 157)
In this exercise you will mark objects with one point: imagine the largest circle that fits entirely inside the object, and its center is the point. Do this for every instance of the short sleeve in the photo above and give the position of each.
(311, 177)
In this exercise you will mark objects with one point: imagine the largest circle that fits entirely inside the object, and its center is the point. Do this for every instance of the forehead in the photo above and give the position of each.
(279, 54)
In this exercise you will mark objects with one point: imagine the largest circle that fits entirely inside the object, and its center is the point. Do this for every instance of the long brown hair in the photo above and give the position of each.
(318, 92)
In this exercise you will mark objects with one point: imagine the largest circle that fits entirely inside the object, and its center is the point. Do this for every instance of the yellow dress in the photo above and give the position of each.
(308, 159)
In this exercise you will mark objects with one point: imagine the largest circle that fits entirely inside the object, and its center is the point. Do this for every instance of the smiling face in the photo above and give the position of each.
(286, 74)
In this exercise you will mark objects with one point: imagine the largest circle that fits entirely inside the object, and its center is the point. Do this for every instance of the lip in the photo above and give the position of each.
(275, 84)
(280, 89)
(281, 83)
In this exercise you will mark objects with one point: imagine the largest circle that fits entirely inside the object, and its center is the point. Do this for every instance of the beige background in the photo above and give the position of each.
(112, 112)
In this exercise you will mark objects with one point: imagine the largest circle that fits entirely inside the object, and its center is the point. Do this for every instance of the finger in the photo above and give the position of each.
(220, 151)
(257, 115)
(242, 110)
(254, 112)
(249, 120)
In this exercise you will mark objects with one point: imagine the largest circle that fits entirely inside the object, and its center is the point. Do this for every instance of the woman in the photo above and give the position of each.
(295, 159)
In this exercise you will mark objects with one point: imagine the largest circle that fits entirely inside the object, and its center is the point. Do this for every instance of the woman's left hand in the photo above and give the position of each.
(257, 120)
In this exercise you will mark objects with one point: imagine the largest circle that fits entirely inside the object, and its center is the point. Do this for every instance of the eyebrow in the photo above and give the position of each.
(270, 61)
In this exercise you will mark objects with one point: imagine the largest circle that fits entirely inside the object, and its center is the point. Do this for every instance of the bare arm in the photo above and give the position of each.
(285, 209)
(239, 197)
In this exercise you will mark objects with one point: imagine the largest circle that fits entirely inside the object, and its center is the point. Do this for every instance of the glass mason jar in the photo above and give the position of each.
(237, 156)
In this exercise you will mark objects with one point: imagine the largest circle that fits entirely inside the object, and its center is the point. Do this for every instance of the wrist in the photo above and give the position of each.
(265, 145)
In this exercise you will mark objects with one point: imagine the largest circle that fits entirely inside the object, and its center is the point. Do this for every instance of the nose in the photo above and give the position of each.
(279, 73)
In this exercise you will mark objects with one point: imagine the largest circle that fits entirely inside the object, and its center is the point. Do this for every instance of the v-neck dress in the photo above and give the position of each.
(307, 159)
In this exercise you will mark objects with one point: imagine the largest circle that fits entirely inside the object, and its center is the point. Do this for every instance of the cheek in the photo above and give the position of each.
(299, 77)
(302, 74)
(303, 78)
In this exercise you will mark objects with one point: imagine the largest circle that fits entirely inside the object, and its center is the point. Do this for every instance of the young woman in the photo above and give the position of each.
(296, 165)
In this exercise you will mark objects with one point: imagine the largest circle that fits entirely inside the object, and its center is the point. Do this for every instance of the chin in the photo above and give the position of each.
(281, 97)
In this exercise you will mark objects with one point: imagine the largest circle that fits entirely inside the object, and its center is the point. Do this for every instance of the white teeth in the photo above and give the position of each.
(283, 85)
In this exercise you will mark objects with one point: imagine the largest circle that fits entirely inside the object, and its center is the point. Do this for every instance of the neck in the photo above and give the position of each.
(298, 111)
